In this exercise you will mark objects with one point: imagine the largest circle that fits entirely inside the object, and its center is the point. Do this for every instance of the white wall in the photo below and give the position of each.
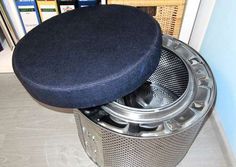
(219, 49)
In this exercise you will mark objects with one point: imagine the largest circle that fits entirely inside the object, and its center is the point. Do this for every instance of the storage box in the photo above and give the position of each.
(47, 9)
(86, 3)
(29, 14)
(169, 13)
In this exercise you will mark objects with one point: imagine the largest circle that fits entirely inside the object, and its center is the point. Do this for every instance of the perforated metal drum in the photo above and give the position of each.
(155, 125)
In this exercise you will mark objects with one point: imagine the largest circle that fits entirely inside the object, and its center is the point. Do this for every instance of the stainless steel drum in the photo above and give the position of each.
(155, 125)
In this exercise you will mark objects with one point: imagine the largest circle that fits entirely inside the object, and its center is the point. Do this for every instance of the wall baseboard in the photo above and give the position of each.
(221, 136)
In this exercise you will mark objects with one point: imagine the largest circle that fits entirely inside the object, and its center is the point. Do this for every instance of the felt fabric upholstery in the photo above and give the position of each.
(88, 57)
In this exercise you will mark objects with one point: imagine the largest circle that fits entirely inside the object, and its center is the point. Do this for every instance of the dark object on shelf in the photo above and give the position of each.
(66, 5)
(87, 3)
(1, 48)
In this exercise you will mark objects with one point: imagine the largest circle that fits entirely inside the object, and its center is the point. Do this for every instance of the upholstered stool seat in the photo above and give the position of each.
(88, 57)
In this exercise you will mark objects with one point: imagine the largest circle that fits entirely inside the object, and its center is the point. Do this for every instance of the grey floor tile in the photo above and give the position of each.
(32, 135)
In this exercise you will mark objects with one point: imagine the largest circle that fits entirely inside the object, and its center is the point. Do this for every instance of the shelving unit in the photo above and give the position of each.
(169, 13)
(8, 40)
(190, 8)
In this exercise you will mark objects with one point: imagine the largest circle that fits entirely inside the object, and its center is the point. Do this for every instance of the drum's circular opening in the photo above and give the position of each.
(179, 93)
(165, 86)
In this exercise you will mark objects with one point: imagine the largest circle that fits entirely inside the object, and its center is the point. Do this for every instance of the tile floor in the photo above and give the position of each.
(35, 136)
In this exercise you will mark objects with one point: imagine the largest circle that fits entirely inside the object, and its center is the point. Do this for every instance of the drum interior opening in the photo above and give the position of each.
(168, 82)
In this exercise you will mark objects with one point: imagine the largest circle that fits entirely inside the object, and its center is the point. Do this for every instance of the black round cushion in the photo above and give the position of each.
(88, 57)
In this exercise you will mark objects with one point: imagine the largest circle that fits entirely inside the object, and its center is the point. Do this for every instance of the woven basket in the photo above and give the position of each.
(169, 13)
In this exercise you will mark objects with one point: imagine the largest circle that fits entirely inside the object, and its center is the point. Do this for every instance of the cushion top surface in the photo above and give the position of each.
(88, 57)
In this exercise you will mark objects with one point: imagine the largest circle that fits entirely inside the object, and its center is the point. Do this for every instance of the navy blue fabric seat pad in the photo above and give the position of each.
(88, 57)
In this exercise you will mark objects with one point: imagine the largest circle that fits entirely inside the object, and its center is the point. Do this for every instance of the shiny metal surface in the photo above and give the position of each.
(166, 84)
(111, 149)
(155, 125)
(194, 98)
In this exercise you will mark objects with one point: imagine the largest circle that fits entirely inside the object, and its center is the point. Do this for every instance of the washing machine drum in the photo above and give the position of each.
(155, 125)
(142, 96)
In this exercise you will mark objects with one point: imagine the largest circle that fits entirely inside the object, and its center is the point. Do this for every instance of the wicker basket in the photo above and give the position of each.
(168, 13)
